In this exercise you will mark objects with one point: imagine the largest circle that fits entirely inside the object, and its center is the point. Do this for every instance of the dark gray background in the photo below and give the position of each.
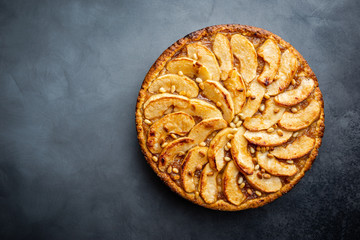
(70, 165)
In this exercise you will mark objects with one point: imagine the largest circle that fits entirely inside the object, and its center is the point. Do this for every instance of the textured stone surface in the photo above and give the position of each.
(70, 165)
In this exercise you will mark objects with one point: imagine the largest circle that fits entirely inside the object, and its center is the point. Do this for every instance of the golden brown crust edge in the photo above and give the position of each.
(160, 63)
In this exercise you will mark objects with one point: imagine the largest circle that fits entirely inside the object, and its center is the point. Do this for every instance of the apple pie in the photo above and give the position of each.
(230, 117)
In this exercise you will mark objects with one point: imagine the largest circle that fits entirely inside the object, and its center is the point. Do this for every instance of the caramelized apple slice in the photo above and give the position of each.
(208, 186)
(195, 159)
(205, 57)
(271, 54)
(231, 188)
(299, 148)
(275, 167)
(286, 72)
(179, 123)
(173, 149)
(240, 153)
(245, 51)
(188, 67)
(219, 95)
(268, 185)
(216, 151)
(200, 108)
(204, 128)
(222, 50)
(177, 82)
(297, 95)
(157, 104)
(252, 105)
(271, 115)
(236, 87)
(303, 118)
(263, 138)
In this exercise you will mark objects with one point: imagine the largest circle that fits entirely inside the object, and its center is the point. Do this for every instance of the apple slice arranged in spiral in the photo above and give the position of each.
(200, 108)
(205, 57)
(222, 50)
(204, 128)
(268, 185)
(173, 149)
(240, 153)
(271, 115)
(275, 167)
(218, 94)
(198, 134)
(188, 67)
(245, 51)
(195, 159)
(297, 149)
(231, 188)
(157, 104)
(216, 151)
(208, 185)
(286, 72)
(265, 139)
(303, 118)
(236, 87)
(271, 54)
(297, 95)
(257, 91)
(180, 83)
(179, 123)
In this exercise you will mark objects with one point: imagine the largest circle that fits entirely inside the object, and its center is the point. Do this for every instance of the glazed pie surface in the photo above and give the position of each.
(230, 117)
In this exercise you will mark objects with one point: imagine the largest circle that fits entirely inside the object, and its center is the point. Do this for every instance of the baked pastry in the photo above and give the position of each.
(230, 117)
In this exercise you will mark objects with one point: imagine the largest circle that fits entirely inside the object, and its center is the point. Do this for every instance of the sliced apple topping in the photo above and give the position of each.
(297, 95)
(158, 104)
(271, 54)
(205, 57)
(204, 128)
(286, 72)
(200, 108)
(208, 185)
(299, 148)
(188, 67)
(240, 153)
(174, 123)
(222, 50)
(266, 139)
(175, 83)
(231, 188)
(256, 93)
(271, 115)
(195, 159)
(236, 87)
(173, 149)
(268, 185)
(221, 97)
(303, 118)
(245, 51)
(275, 167)
(216, 151)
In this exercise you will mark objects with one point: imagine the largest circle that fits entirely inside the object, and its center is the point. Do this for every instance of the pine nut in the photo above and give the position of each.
(147, 121)
(270, 130)
(173, 88)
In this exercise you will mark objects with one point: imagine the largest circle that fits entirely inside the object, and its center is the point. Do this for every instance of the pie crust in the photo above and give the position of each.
(247, 109)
